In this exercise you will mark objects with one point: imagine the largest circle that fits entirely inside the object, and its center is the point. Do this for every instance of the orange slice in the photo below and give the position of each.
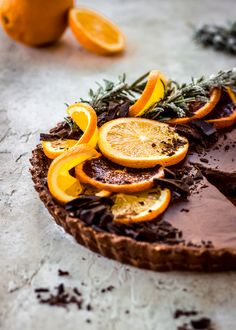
(145, 206)
(227, 121)
(86, 118)
(63, 186)
(141, 143)
(153, 92)
(95, 32)
(203, 111)
(52, 149)
(103, 174)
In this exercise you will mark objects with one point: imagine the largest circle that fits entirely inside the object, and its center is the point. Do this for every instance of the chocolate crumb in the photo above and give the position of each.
(204, 160)
(41, 290)
(201, 324)
(63, 273)
(184, 210)
(179, 312)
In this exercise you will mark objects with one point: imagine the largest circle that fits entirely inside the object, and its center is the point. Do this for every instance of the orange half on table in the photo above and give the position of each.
(95, 32)
(153, 92)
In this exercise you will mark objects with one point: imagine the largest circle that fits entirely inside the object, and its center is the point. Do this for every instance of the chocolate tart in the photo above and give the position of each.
(198, 234)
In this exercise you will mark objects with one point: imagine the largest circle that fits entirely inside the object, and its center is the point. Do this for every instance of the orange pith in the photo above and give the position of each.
(228, 121)
(95, 32)
(203, 111)
(154, 91)
(123, 187)
(141, 143)
(61, 184)
(144, 206)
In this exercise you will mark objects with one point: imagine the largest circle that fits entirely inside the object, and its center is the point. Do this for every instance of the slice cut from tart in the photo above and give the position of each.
(103, 174)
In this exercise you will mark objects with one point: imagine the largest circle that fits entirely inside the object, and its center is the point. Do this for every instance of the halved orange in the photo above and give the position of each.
(103, 174)
(202, 111)
(229, 120)
(86, 118)
(95, 32)
(52, 149)
(141, 143)
(144, 206)
(63, 186)
(153, 92)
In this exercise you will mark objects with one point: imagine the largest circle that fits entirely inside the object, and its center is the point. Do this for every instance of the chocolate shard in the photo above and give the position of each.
(49, 137)
(178, 186)
(204, 127)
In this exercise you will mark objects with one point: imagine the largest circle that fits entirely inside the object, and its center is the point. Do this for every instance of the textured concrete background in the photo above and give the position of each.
(34, 85)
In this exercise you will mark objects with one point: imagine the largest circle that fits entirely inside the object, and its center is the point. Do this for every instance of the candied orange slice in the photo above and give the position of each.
(95, 32)
(226, 121)
(202, 111)
(86, 118)
(103, 174)
(52, 149)
(153, 92)
(62, 185)
(144, 206)
(141, 143)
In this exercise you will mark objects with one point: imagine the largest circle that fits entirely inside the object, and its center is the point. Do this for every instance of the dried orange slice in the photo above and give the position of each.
(86, 118)
(95, 32)
(63, 186)
(153, 92)
(52, 149)
(141, 143)
(226, 114)
(103, 174)
(145, 206)
(202, 111)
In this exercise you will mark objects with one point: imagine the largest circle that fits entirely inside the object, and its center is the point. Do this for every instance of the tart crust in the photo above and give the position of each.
(153, 256)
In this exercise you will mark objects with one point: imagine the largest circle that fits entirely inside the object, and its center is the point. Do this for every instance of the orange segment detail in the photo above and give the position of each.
(63, 186)
(154, 91)
(203, 111)
(95, 32)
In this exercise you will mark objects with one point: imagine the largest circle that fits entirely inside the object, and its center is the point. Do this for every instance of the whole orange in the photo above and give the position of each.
(35, 22)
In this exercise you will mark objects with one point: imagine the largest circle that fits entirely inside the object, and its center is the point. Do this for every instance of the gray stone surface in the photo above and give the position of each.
(34, 85)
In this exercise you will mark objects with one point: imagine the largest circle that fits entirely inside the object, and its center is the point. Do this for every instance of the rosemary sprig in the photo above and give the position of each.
(178, 97)
(110, 96)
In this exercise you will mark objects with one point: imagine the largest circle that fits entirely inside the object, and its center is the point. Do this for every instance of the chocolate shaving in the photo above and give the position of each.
(178, 313)
(63, 273)
(205, 128)
(178, 186)
(114, 110)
